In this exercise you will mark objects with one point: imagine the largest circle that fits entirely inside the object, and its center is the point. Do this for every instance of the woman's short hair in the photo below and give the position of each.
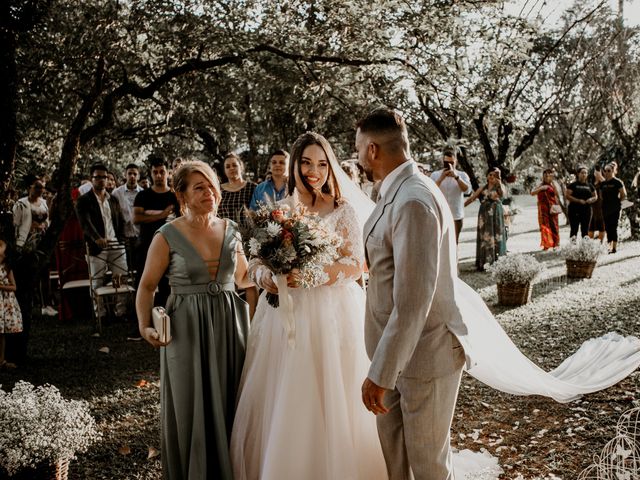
(182, 175)
(581, 167)
(547, 171)
(302, 142)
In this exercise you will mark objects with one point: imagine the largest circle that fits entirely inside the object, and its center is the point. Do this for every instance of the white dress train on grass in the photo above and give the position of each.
(496, 361)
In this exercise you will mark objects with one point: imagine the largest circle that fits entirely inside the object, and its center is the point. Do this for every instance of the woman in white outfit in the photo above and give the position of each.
(299, 413)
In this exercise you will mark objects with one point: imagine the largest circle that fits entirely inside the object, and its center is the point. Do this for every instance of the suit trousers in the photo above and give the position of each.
(415, 434)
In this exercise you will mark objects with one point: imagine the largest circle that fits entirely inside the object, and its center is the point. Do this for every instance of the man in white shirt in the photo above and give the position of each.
(102, 223)
(453, 184)
(126, 195)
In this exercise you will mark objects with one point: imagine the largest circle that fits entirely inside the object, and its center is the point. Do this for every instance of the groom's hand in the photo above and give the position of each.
(373, 396)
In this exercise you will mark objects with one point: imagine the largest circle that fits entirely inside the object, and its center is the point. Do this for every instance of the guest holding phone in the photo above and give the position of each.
(453, 183)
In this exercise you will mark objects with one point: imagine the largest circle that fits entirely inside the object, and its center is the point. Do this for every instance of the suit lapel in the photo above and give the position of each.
(388, 198)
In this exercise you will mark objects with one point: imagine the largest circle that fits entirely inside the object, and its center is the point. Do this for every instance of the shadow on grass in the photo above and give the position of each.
(619, 260)
(65, 354)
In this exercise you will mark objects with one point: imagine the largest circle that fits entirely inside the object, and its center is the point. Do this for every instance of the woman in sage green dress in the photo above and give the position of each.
(200, 367)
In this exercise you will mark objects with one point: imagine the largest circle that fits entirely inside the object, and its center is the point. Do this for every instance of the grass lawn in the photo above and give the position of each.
(533, 437)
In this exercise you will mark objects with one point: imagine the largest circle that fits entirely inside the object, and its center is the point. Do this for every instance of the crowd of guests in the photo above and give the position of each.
(118, 215)
(116, 218)
(593, 205)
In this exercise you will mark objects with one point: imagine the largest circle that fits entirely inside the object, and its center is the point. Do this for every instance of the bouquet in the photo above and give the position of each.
(515, 268)
(285, 240)
(38, 425)
(585, 250)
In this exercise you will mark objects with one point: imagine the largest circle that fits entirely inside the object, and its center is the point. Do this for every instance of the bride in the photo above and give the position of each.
(299, 413)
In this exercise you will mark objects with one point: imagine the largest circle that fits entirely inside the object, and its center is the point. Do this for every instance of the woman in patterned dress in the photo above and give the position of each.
(10, 316)
(491, 239)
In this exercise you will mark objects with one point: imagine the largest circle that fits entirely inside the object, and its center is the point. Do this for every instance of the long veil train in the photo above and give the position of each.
(497, 362)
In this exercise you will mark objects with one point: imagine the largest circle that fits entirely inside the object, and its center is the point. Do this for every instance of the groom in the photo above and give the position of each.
(411, 314)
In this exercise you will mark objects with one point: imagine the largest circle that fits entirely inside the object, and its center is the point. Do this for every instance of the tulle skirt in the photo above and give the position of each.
(300, 413)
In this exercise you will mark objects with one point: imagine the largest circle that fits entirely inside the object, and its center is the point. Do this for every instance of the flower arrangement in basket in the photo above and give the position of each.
(40, 427)
(286, 239)
(581, 256)
(514, 274)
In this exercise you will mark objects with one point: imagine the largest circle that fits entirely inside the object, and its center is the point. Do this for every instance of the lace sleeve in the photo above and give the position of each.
(349, 266)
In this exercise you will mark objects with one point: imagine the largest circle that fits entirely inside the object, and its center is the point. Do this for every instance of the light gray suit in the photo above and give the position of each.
(411, 324)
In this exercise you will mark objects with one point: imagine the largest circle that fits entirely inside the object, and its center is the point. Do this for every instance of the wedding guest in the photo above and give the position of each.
(453, 183)
(581, 196)
(236, 198)
(200, 367)
(613, 193)
(31, 220)
(237, 192)
(10, 315)
(274, 188)
(548, 211)
(102, 223)
(112, 183)
(597, 221)
(152, 208)
(31, 214)
(126, 195)
(491, 240)
(144, 182)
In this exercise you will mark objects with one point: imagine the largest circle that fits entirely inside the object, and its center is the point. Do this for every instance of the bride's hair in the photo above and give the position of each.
(331, 185)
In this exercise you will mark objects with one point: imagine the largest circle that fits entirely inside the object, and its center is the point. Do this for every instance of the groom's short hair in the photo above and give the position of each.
(387, 123)
(382, 120)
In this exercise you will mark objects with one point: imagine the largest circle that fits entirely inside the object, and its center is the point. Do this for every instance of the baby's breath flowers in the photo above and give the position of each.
(37, 425)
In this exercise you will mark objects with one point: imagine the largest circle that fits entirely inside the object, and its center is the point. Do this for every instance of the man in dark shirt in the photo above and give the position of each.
(613, 193)
(152, 208)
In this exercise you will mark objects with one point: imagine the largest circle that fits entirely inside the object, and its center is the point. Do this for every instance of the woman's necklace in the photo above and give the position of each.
(236, 187)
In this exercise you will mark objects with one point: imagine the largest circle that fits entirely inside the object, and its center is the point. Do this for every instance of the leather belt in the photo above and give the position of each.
(212, 288)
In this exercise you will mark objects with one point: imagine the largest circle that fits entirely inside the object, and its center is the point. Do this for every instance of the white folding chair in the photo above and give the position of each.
(111, 282)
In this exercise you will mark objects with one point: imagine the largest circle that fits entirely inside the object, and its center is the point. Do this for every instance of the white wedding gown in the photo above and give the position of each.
(300, 413)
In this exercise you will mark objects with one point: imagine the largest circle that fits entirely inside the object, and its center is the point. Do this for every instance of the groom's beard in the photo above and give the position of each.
(369, 175)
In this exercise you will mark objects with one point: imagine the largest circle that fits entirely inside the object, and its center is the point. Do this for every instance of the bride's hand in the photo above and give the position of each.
(263, 278)
(293, 279)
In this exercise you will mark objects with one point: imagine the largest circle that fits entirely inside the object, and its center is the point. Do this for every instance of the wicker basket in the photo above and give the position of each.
(578, 269)
(514, 293)
(61, 470)
(45, 471)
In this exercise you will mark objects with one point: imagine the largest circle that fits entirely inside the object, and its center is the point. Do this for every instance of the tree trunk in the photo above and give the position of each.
(8, 130)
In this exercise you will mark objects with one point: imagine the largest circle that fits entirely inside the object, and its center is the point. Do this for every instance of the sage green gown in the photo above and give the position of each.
(200, 369)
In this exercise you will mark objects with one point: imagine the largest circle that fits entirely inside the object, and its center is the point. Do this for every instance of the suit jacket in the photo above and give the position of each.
(90, 217)
(412, 319)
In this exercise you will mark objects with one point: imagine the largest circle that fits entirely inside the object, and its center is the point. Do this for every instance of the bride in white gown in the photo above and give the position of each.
(300, 413)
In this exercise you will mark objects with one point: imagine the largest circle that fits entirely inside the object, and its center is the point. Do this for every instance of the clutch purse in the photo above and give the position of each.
(162, 324)
(555, 209)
